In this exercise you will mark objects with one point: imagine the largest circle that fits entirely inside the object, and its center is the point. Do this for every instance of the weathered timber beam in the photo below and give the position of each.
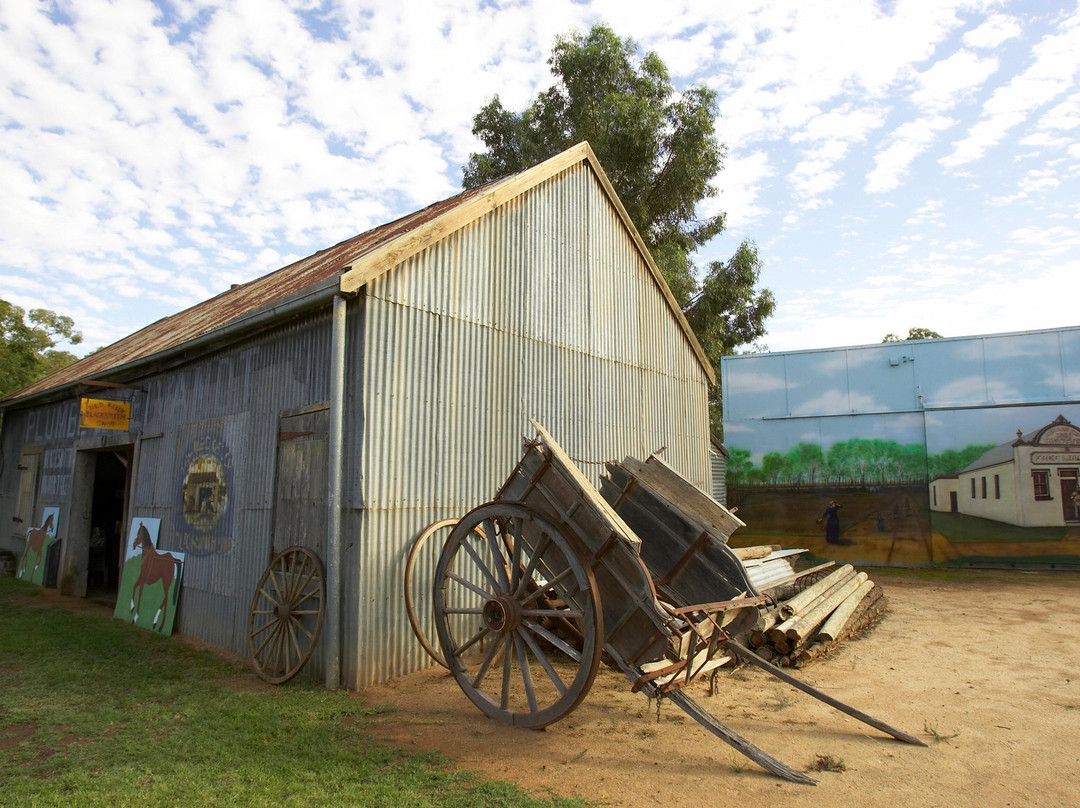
(736, 741)
(747, 655)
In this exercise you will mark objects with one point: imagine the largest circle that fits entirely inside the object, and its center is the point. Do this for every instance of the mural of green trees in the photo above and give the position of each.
(854, 462)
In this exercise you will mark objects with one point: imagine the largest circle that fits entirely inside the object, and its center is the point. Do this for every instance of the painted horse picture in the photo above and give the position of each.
(38, 540)
(150, 582)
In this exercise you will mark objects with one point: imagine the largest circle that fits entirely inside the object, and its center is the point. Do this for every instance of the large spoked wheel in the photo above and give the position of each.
(287, 614)
(415, 598)
(518, 615)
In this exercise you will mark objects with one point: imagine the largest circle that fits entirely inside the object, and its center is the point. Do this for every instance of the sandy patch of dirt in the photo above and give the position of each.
(990, 663)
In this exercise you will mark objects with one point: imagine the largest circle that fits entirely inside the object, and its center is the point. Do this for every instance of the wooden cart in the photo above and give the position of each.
(535, 588)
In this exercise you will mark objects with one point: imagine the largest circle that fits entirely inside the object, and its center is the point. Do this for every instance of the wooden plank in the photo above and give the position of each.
(802, 602)
(683, 496)
(838, 620)
(756, 552)
(749, 656)
(689, 564)
(806, 624)
(588, 491)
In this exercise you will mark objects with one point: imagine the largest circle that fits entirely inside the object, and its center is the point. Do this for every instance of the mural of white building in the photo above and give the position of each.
(1030, 481)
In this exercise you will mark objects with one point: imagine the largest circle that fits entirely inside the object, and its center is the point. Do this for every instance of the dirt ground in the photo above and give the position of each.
(985, 667)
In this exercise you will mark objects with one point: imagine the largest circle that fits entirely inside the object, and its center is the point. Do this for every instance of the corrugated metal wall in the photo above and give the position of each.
(719, 476)
(542, 309)
(235, 397)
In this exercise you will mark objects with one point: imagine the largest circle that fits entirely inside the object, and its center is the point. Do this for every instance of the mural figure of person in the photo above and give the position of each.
(832, 522)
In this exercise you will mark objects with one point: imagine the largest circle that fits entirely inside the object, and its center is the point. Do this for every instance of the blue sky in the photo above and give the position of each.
(898, 164)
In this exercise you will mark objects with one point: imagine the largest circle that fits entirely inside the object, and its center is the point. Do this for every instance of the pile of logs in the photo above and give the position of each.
(813, 612)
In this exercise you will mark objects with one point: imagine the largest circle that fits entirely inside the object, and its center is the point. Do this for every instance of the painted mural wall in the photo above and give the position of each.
(960, 451)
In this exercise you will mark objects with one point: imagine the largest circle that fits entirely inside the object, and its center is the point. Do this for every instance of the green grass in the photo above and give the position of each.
(958, 527)
(95, 712)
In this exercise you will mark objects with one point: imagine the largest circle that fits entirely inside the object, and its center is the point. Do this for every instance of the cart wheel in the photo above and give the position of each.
(410, 591)
(518, 615)
(287, 614)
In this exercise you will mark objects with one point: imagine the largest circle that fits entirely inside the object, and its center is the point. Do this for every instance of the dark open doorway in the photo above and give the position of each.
(108, 507)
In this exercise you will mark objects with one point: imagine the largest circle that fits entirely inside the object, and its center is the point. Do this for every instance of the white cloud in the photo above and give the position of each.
(740, 188)
(946, 83)
(892, 163)
(997, 29)
(163, 155)
(1051, 73)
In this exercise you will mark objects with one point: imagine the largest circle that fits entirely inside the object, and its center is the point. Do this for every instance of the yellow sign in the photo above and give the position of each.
(96, 413)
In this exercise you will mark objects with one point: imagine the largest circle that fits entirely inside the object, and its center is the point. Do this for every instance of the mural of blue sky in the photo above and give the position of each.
(948, 393)
(898, 164)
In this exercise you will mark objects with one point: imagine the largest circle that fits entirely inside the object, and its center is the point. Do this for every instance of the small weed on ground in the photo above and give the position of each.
(779, 701)
(827, 763)
(938, 737)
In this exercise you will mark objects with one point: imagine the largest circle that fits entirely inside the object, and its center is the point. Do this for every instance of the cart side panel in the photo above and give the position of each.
(673, 551)
(689, 499)
(635, 627)
(678, 548)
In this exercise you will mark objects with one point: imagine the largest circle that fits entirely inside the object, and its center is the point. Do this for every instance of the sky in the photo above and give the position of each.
(898, 164)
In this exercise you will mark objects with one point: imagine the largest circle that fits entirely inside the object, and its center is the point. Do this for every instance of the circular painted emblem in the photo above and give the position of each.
(205, 492)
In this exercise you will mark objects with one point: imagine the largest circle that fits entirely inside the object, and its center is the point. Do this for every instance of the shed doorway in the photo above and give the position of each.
(111, 483)
(300, 495)
(100, 485)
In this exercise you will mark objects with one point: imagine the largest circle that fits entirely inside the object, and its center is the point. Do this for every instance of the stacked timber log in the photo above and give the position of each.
(813, 611)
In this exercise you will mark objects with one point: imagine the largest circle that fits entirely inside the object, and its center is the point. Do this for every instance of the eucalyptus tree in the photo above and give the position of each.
(660, 150)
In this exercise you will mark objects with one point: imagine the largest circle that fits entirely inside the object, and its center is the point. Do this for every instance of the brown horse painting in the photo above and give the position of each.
(163, 567)
(35, 541)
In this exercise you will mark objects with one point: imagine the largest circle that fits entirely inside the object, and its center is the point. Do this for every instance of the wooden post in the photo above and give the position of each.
(834, 626)
(816, 616)
(800, 602)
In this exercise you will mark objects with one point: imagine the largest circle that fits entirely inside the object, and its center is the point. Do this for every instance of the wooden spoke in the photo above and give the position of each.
(517, 615)
(287, 614)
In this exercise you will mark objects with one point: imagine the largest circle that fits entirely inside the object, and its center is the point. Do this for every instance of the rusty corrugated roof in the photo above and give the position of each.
(242, 299)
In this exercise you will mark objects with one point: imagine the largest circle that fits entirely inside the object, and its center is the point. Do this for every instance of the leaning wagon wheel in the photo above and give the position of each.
(287, 614)
(410, 592)
(507, 588)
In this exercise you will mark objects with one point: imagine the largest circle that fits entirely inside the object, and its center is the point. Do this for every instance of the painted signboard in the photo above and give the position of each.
(203, 524)
(150, 579)
(38, 541)
(96, 413)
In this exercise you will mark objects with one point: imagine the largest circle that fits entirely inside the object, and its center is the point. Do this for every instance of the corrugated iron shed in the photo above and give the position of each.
(368, 416)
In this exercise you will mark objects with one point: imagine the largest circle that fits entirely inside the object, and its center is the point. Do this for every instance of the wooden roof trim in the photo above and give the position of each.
(658, 276)
(385, 257)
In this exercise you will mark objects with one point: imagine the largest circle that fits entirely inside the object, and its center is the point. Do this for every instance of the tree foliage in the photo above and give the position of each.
(28, 345)
(914, 333)
(854, 462)
(660, 151)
